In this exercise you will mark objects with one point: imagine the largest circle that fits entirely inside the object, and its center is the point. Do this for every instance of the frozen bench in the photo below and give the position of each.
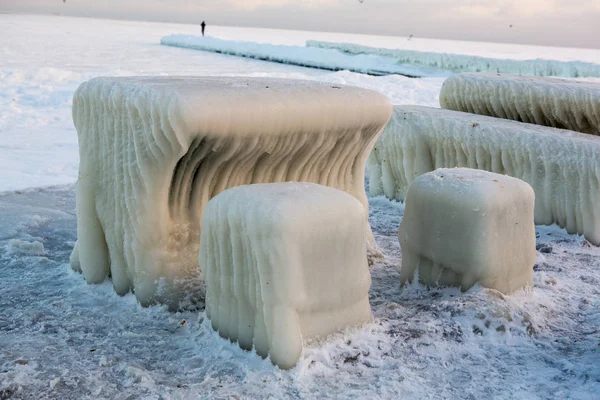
(462, 226)
(155, 150)
(552, 102)
(283, 263)
(562, 167)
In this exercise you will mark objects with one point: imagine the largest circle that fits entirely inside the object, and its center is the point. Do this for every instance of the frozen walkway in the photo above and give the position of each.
(467, 63)
(331, 60)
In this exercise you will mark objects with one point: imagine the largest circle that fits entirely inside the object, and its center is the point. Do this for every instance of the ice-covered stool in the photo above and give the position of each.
(154, 150)
(284, 262)
(463, 226)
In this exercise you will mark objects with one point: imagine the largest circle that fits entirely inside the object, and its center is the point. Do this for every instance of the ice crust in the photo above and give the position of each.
(467, 63)
(462, 226)
(26, 247)
(543, 101)
(295, 55)
(283, 263)
(154, 150)
(561, 166)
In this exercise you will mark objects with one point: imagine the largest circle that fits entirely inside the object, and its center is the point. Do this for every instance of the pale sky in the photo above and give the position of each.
(573, 23)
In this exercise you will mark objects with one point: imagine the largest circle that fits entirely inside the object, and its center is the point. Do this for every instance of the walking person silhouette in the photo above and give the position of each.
(203, 25)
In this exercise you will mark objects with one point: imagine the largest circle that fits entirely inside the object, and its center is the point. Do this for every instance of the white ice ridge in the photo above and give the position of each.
(562, 166)
(462, 226)
(155, 150)
(284, 263)
(552, 102)
(466, 63)
(296, 55)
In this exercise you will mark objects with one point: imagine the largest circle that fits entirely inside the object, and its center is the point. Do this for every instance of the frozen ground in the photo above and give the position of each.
(63, 339)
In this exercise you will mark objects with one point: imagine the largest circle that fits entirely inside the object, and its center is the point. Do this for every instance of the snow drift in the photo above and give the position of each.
(463, 226)
(562, 166)
(295, 55)
(154, 150)
(465, 63)
(284, 263)
(542, 101)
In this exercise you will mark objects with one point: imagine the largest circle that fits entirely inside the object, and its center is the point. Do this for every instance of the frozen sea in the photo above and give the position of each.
(63, 339)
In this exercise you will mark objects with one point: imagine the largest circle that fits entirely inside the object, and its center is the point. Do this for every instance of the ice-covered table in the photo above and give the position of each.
(154, 150)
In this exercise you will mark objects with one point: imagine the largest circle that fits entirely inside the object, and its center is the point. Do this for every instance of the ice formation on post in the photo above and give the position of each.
(462, 226)
(154, 150)
(468, 63)
(283, 263)
(543, 101)
(562, 166)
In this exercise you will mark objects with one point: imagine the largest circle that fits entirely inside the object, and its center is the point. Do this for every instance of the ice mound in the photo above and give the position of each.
(296, 55)
(35, 248)
(283, 263)
(562, 166)
(462, 226)
(155, 150)
(543, 101)
(467, 63)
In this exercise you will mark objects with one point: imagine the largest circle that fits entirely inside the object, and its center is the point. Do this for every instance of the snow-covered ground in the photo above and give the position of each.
(61, 338)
